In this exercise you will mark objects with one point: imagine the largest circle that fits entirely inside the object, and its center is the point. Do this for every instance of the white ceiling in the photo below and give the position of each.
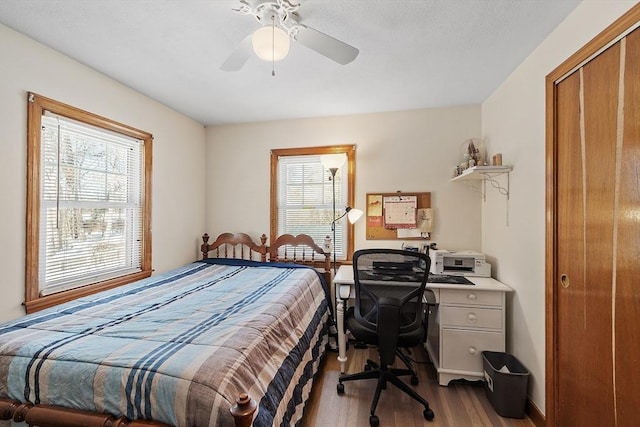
(413, 53)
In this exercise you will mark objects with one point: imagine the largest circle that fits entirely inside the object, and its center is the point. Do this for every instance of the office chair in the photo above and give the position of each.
(389, 284)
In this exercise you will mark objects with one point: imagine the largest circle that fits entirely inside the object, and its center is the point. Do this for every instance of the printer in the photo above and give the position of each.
(459, 263)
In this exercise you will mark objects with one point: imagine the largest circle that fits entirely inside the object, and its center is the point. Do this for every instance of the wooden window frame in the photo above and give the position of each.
(37, 104)
(349, 150)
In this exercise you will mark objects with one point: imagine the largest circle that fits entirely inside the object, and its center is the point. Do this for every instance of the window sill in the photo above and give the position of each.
(48, 301)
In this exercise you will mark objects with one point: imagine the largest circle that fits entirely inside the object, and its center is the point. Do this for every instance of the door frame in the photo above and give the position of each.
(598, 44)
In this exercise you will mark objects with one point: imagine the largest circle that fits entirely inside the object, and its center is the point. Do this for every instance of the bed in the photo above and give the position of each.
(232, 339)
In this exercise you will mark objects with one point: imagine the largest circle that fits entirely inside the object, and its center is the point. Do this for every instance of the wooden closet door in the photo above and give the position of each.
(586, 174)
(626, 301)
(593, 281)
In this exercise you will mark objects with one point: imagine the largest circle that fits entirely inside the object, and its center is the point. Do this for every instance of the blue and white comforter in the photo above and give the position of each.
(176, 348)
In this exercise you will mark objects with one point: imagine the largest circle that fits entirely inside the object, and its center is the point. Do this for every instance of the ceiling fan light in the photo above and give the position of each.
(270, 43)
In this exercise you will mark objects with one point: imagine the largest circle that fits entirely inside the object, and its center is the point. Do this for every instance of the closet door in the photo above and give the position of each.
(626, 287)
(593, 259)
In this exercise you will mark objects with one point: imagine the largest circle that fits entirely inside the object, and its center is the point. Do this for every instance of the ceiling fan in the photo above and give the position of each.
(280, 23)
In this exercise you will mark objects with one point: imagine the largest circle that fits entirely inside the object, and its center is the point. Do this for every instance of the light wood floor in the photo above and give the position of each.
(461, 404)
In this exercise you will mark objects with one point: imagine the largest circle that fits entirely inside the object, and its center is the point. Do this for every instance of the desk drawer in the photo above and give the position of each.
(471, 317)
(471, 296)
(462, 350)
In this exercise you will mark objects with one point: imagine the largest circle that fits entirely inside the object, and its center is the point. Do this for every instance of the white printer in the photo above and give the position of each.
(459, 263)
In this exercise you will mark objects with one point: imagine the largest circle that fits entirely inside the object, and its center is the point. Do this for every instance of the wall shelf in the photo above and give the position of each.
(486, 174)
(482, 172)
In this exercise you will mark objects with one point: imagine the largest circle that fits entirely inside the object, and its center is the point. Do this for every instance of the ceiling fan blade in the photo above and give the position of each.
(238, 57)
(326, 45)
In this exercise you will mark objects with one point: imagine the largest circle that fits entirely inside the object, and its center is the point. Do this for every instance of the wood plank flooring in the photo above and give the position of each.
(462, 403)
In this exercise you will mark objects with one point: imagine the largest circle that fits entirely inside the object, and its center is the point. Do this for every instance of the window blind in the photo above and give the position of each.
(305, 200)
(90, 204)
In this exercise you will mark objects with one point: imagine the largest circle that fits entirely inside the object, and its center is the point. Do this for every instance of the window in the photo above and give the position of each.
(302, 195)
(88, 200)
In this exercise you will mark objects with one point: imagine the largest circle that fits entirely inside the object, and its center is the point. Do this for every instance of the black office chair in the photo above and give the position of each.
(388, 313)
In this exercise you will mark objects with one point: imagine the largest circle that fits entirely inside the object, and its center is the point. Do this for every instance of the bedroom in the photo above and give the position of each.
(188, 155)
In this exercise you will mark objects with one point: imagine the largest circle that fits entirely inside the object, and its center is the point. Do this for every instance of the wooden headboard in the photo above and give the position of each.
(235, 245)
(300, 249)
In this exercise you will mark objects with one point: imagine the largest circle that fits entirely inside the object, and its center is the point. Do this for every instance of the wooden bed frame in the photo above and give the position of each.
(300, 249)
(56, 416)
(238, 245)
(287, 248)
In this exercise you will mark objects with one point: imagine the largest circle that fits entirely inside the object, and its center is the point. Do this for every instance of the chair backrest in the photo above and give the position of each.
(389, 285)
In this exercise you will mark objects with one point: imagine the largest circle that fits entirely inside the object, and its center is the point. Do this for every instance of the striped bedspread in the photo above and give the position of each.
(176, 348)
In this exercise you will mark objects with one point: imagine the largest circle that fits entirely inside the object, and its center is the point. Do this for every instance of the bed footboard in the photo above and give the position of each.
(243, 410)
(55, 416)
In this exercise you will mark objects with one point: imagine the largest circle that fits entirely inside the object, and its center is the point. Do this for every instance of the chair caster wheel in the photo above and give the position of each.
(340, 388)
(414, 380)
(374, 421)
(428, 414)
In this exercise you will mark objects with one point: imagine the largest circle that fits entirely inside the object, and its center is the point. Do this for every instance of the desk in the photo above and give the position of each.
(467, 320)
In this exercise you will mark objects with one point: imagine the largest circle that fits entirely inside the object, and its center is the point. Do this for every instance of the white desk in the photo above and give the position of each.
(469, 319)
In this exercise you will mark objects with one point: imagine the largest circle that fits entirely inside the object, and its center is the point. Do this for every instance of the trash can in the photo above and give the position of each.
(506, 381)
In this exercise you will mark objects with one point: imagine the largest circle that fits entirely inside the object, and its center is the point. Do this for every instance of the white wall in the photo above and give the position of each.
(406, 151)
(178, 155)
(513, 122)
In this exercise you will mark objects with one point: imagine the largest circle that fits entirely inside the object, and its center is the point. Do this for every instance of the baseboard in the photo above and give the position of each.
(534, 414)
